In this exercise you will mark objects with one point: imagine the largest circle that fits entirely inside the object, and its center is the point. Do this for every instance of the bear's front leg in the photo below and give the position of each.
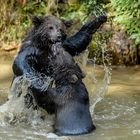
(79, 42)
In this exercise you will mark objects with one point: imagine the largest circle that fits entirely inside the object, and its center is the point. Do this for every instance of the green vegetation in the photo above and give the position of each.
(128, 14)
(16, 16)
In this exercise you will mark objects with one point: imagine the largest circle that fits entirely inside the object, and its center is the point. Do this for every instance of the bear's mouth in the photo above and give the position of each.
(58, 41)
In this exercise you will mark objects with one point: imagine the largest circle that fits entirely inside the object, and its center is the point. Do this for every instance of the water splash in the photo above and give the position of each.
(100, 87)
(101, 91)
(21, 105)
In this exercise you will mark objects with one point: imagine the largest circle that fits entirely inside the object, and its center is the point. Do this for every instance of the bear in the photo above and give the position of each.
(33, 59)
(72, 115)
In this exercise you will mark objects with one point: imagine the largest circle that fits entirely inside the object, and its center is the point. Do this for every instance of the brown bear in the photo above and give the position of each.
(33, 58)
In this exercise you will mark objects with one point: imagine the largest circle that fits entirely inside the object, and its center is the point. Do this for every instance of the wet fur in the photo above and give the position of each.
(33, 59)
(72, 116)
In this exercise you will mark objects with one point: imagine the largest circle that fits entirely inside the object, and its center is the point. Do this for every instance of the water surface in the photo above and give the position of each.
(117, 116)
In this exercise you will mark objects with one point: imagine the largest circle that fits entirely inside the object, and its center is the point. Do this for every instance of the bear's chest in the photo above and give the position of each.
(60, 57)
(44, 64)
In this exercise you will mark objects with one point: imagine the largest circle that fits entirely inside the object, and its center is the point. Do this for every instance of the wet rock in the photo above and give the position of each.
(120, 46)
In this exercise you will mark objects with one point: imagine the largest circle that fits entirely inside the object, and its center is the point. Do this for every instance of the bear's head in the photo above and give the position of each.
(48, 29)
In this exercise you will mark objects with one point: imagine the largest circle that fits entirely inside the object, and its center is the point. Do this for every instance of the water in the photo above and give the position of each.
(21, 105)
(116, 116)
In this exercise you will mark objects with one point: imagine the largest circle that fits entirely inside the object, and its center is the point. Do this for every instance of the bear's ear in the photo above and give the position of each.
(37, 20)
(67, 23)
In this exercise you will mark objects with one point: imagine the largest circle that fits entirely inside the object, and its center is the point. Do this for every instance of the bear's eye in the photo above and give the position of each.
(50, 27)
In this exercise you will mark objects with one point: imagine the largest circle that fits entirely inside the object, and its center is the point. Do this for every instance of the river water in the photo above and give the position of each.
(116, 116)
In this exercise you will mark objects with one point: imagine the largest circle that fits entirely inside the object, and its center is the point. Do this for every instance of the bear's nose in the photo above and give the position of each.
(59, 37)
